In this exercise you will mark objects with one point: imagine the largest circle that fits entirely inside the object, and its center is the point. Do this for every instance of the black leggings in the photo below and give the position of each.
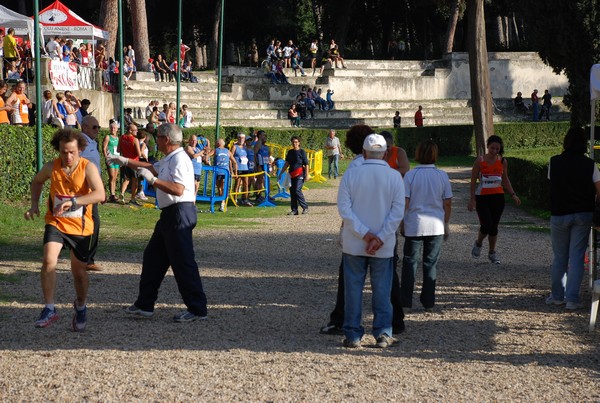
(489, 210)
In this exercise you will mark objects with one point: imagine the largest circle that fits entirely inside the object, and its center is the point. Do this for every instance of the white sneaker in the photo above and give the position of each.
(141, 196)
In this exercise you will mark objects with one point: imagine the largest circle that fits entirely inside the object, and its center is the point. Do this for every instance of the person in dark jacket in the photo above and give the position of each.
(574, 190)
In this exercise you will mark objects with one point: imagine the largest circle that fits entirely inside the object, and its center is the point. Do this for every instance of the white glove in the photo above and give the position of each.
(117, 160)
(146, 174)
(446, 231)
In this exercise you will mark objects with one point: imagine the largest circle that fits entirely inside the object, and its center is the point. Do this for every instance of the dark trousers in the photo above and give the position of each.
(336, 317)
(431, 247)
(489, 210)
(94, 240)
(171, 244)
(296, 195)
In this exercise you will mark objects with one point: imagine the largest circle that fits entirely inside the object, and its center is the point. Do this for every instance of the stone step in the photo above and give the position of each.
(201, 76)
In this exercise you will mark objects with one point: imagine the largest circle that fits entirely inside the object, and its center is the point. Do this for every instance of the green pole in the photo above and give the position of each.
(178, 78)
(220, 72)
(120, 58)
(38, 85)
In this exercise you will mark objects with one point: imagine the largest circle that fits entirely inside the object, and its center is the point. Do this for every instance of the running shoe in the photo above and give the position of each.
(187, 316)
(48, 317)
(79, 319)
(476, 251)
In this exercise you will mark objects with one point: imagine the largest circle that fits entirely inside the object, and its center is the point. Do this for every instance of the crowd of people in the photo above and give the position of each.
(288, 56)
(17, 58)
(306, 102)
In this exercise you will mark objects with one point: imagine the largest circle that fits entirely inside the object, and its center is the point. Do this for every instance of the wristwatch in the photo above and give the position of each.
(73, 204)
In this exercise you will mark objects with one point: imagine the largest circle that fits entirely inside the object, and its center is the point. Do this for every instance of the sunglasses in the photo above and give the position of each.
(95, 127)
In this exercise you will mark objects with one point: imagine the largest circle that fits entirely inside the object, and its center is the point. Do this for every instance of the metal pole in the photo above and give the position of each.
(220, 71)
(120, 74)
(38, 85)
(178, 77)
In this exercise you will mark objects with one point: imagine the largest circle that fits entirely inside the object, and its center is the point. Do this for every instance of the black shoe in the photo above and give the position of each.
(385, 341)
(293, 212)
(305, 211)
(332, 330)
(398, 328)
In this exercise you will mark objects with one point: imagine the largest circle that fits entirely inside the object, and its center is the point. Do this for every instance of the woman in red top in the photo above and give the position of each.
(129, 147)
(490, 173)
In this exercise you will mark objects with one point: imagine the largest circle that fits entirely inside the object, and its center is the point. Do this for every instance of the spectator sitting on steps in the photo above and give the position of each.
(293, 116)
(519, 104)
(297, 65)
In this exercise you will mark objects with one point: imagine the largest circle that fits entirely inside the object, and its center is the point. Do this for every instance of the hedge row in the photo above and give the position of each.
(18, 166)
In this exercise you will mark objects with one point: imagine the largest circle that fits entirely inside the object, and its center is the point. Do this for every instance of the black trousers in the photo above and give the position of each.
(336, 317)
(172, 245)
(296, 195)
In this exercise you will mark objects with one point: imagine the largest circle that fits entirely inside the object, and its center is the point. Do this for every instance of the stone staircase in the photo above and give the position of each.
(366, 92)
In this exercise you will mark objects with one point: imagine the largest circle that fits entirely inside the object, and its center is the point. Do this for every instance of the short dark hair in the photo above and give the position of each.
(355, 137)
(68, 135)
(576, 140)
(427, 152)
(295, 138)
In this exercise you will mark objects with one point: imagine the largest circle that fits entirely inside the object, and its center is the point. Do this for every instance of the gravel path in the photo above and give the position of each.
(270, 287)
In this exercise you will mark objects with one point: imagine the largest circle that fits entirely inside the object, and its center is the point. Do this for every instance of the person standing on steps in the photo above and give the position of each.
(419, 117)
(489, 178)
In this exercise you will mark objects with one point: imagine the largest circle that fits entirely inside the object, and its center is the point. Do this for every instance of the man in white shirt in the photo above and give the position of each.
(334, 153)
(53, 48)
(371, 204)
(171, 243)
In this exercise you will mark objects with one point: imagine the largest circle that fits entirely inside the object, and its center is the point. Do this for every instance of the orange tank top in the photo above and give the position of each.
(490, 177)
(23, 109)
(3, 114)
(392, 157)
(62, 187)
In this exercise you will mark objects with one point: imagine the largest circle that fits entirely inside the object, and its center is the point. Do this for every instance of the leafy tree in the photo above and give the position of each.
(567, 35)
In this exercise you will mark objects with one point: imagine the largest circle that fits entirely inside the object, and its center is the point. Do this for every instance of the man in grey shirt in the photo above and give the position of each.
(89, 130)
(334, 153)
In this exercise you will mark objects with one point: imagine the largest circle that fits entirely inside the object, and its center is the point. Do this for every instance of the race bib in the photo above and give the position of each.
(491, 181)
(244, 160)
(60, 199)
(24, 109)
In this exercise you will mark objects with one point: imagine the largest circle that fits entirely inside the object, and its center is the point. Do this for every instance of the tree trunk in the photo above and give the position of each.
(451, 30)
(515, 28)
(109, 21)
(343, 23)
(500, 32)
(214, 43)
(481, 98)
(318, 17)
(21, 8)
(141, 43)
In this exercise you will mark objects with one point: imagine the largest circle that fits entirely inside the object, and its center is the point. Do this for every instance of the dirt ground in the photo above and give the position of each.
(270, 288)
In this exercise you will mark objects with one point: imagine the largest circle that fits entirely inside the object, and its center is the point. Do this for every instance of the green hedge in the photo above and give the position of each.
(18, 162)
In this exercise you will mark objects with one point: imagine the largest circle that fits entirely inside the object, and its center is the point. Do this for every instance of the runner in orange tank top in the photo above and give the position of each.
(21, 103)
(75, 185)
(489, 178)
(396, 156)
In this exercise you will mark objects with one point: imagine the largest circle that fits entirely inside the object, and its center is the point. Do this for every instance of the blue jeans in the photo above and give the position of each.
(333, 160)
(431, 246)
(355, 272)
(569, 241)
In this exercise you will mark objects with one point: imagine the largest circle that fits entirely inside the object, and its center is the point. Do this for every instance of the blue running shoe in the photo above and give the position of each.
(48, 317)
(79, 319)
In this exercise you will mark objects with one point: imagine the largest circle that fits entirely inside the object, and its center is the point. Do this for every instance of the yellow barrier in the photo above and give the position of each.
(315, 166)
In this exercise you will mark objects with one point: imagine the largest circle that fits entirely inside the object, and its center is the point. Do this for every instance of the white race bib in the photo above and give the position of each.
(491, 181)
(60, 199)
(244, 160)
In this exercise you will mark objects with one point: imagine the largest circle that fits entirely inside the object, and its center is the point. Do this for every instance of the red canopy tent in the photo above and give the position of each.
(58, 19)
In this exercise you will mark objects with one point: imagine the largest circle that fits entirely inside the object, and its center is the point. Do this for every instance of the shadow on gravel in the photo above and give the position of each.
(266, 297)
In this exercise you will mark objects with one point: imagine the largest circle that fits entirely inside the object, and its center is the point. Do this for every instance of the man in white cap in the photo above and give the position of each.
(371, 204)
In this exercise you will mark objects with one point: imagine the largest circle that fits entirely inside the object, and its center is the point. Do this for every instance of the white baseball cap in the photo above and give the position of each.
(374, 142)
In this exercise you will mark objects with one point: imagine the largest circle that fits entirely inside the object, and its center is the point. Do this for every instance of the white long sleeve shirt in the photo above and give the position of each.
(370, 199)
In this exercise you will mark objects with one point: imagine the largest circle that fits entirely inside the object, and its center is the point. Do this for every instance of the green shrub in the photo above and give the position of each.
(529, 178)
(18, 159)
